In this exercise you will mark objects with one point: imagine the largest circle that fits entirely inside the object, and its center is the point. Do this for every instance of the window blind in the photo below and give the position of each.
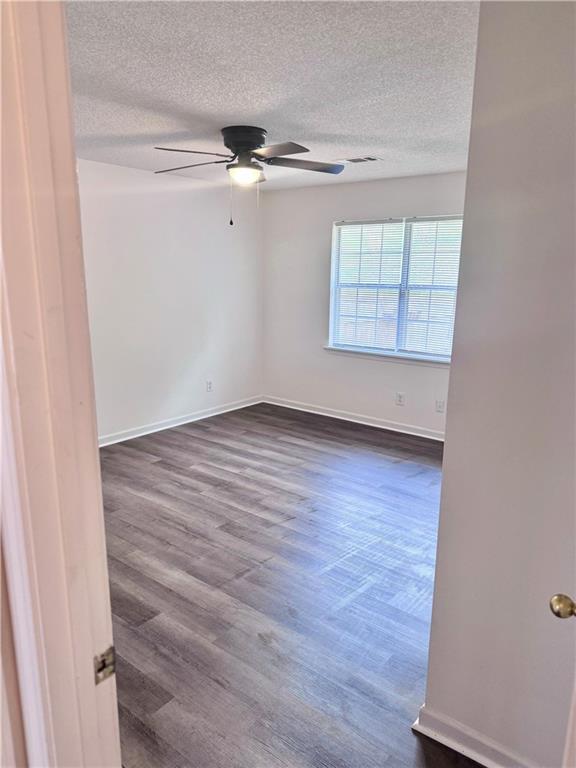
(394, 285)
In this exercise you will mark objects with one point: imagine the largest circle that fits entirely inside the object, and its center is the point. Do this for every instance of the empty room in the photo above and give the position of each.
(302, 278)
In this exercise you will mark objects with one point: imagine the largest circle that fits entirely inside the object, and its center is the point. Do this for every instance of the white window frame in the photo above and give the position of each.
(402, 286)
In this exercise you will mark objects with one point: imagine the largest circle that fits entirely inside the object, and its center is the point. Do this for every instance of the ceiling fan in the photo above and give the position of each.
(247, 151)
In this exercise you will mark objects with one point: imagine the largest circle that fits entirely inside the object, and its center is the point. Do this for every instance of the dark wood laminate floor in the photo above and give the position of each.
(271, 576)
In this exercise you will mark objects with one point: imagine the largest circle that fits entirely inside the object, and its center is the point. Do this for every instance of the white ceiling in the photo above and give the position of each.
(346, 79)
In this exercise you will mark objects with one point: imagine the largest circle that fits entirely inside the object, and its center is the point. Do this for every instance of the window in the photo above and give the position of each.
(394, 286)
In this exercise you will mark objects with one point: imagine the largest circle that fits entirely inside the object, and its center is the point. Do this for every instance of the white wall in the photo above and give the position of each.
(174, 294)
(501, 666)
(297, 244)
(178, 297)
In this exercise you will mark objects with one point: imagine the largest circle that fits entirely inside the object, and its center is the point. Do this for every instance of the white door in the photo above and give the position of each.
(52, 523)
(570, 750)
(564, 607)
(501, 668)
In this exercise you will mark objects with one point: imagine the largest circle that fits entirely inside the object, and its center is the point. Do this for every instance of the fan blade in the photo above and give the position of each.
(195, 165)
(278, 150)
(306, 165)
(192, 151)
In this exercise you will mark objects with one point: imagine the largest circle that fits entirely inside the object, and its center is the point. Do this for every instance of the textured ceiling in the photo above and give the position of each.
(346, 79)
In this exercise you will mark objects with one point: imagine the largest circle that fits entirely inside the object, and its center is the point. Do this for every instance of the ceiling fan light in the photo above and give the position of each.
(244, 175)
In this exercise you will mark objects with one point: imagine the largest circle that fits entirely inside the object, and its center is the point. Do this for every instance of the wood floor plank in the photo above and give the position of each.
(132, 609)
(142, 747)
(271, 576)
(207, 621)
(137, 692)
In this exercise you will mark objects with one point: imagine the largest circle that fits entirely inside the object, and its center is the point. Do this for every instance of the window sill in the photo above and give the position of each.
(395, 357)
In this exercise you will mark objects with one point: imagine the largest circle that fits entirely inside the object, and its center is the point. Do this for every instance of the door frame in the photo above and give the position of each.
(52, 523)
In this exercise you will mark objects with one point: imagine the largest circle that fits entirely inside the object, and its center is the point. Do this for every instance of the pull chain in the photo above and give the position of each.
(231, 200)
(231, 186)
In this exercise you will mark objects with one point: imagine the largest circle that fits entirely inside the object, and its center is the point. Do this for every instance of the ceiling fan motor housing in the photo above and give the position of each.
(242, 139)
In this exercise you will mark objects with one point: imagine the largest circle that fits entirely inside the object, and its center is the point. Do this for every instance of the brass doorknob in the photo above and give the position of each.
(562, 606)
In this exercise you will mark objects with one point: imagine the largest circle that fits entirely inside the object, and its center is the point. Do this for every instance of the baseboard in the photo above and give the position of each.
(158, 426)
(467, 741)
(147, 429)
(358, 418)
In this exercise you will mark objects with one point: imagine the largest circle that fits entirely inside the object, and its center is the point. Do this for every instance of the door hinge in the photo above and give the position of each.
(104, 665)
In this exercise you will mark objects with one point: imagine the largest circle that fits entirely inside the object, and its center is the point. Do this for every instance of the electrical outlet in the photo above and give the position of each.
(400, 398)
(208, 386)
(440, 406)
